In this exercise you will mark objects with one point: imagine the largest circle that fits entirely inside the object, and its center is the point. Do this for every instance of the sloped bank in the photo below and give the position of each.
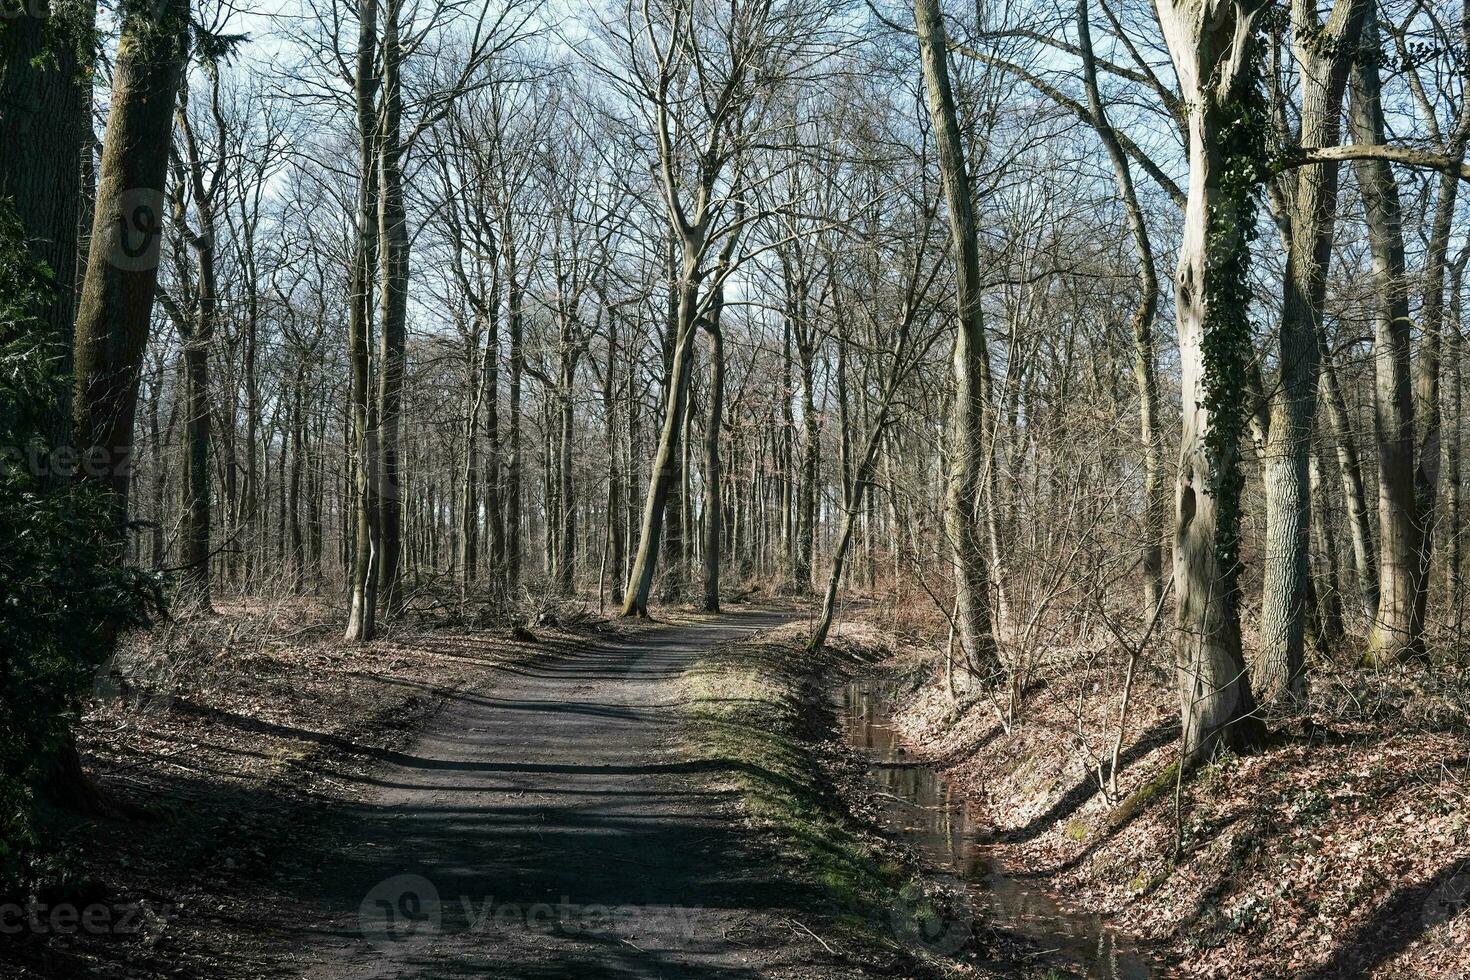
(1340, 850)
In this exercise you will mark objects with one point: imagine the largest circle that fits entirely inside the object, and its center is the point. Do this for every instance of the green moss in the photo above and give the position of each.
(744, 708)
(754, 715)
(1156, 788)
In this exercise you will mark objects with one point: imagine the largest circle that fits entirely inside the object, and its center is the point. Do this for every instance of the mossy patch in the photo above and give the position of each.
(755, 711)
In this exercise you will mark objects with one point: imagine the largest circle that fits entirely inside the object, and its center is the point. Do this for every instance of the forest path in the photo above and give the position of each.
(545, 826)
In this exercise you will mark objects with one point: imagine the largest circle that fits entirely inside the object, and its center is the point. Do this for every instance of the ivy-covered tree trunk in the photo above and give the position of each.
(1211, 300)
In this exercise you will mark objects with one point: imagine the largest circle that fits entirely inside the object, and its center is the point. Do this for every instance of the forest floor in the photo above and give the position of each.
(434, 804)
(1341, 849)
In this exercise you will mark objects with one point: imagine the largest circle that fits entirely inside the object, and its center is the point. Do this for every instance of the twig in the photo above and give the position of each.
(814, 936)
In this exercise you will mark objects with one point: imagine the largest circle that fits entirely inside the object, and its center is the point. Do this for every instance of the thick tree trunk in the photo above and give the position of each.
(46, 128)
(115, 308)
(1216, 705)
(969, 429)
(1323, 57)
(118, 290)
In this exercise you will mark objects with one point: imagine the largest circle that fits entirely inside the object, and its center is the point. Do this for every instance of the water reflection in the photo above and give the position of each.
(921, 806)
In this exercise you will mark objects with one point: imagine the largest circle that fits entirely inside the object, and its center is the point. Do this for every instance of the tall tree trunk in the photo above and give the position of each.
(806, 505)
(616, 518)
(713, 512)
(1393, 633)
(1216, 705)
(251, 518)
(969, 428)
(494, 509)
(116, 305)
(566, 429)
(46, 127)
(1454, 445)
(393, 294)
(194, 580)
(1323, 57)
(115, 308)
(362, 617)
(1427, 375)
(630, 491)
(665, 473)
(298, 466)
(786, 453)
(469, 504)
(513, 459)
(160, 471)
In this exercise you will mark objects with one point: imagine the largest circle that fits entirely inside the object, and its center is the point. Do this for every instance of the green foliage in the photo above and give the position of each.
(1226, 348)
(63, 589)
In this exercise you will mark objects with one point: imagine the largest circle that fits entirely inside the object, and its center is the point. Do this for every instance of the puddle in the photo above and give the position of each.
(922, 809)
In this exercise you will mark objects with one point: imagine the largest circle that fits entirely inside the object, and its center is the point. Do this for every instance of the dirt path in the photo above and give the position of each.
(546, 828)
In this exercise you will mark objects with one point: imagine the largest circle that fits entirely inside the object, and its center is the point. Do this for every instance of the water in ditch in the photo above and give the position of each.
(922, 809)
